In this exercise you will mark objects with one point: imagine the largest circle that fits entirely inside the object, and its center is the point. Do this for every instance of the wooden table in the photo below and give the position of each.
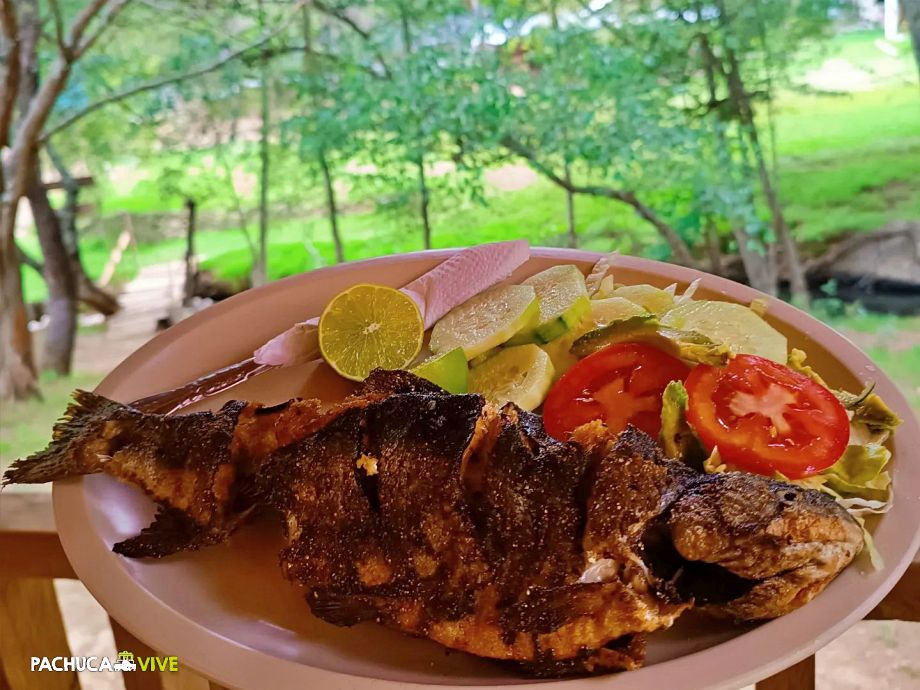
(31, 557)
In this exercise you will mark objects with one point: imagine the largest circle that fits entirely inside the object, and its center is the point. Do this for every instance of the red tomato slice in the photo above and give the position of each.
(621, 384)
(765, 417)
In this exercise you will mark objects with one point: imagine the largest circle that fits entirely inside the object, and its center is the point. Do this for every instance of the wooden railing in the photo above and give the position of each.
(31, 557)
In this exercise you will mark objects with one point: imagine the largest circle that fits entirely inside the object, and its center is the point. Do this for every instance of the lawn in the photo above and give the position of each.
(26, 427)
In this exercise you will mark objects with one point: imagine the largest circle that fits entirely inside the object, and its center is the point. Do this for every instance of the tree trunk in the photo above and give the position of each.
(59, 277)
(566, 171)
(912, 14)
(570, 210)
(17, 371)
(758, 267)
(332, 208)
(424, 200)
(191, 270)
(790, 252)
(712, 247)
(88, 292)
(260, 268)
(62, 287)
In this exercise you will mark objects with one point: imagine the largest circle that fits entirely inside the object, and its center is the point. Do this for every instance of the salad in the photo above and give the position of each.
(713, 381)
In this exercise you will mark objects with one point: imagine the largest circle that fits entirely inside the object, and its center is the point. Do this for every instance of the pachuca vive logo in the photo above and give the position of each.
(124, 661)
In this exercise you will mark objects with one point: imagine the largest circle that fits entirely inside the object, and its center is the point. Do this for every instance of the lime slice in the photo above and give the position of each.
(370, 326)
(449, 371)
(486, 320)
(522, 375)
(604, 311)
(734, 325)
(563, 303)
(648, 297)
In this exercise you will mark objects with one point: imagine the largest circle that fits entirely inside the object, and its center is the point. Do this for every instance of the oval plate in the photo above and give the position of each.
(228, 613)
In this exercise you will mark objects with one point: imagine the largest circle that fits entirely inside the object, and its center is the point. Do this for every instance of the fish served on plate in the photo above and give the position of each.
(576, 465)
(447, 517)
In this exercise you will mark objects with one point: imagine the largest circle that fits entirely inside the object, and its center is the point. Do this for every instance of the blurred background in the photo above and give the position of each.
(159, 155)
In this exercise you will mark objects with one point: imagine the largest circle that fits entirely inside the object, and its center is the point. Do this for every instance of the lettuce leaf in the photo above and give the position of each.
(875, 414)
(860, 473)
(677, 438)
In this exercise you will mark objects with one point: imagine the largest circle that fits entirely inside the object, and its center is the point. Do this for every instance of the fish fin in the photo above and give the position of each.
(171, 531)
(341, 610)
(59, 460)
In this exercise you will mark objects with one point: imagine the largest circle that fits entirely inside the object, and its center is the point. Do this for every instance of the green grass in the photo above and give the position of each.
(26, 427)
(902, 367)
(849, 162)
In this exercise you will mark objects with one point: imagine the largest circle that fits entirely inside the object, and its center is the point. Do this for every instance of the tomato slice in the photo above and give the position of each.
(621, 384)
(765, 417)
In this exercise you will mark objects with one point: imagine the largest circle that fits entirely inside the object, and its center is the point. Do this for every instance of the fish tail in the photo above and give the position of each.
(63, 457)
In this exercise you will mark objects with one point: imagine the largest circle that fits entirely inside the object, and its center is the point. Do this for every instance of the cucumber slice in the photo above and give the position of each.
(522, 375)
(486, 320)
(735, 325)
(563, 303)
(449, 370)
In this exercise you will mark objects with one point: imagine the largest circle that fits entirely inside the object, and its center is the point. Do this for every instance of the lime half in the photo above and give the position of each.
(370, 326)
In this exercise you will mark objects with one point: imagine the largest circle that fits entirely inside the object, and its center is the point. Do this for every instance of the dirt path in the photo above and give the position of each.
(144, 300)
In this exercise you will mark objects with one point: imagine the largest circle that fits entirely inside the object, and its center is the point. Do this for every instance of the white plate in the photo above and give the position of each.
(227, 612)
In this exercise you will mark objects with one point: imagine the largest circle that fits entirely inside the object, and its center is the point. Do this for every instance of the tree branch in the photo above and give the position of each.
(682, 253)
(10, 88)
(58, 27)
(78, 47)
(30, 261)
(166, 81)
(341, 16)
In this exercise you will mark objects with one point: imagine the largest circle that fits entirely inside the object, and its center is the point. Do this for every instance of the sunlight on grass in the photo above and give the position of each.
(25, 427)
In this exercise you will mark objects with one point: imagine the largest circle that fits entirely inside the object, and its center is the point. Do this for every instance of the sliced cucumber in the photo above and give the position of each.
(563, 303)
(486, 320)
(735, 325)
(522, 375)
(449, 370)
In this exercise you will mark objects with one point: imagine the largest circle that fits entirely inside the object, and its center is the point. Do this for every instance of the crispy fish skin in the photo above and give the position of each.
(788, 541)
(445, 517)
(191, 465)
(464, 524)
(196, 466)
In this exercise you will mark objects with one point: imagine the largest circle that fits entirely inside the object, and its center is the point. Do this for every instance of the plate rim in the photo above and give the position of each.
(207, 652)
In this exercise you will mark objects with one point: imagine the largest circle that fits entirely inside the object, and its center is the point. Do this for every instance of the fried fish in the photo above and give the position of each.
(445, 517)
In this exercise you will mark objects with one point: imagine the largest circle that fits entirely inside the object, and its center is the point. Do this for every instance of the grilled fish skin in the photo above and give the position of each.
(445, 517)
(197, 466)
(787, 541)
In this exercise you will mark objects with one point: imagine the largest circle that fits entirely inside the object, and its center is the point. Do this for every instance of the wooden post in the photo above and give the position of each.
(191, 270)
(32, 626)
(801, 676)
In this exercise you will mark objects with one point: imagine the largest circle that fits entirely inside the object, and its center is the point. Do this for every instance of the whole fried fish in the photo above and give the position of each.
(445, 517)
